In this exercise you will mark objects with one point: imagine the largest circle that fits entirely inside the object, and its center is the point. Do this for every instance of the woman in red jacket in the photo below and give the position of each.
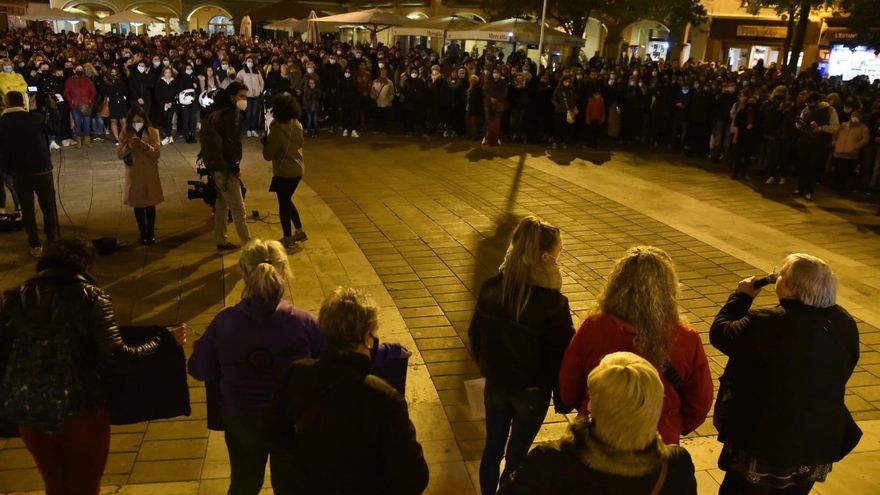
(638, 312)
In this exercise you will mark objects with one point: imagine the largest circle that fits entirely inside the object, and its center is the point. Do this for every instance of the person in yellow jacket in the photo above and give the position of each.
(11, 80)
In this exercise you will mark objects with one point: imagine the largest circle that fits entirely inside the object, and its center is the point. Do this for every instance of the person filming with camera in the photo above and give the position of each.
(780, 410)
(220, 140)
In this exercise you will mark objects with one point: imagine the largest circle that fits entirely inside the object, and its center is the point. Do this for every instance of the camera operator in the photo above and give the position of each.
(780, 410)
(220, 139)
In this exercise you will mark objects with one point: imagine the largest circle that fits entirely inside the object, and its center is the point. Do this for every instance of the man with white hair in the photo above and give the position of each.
(780, 411)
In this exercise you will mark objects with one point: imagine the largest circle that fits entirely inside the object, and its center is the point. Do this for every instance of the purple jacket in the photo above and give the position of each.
(248, 347)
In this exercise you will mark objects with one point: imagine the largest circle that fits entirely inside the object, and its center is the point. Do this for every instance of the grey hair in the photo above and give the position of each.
(811, 278)
(346, 316)
(264, 266)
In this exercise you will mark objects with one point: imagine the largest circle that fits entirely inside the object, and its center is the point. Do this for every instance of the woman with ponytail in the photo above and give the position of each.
(247, 348)
(519, 333)
(638, 312)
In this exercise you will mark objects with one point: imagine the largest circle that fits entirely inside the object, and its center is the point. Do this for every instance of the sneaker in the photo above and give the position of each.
(808, 197)
(782, 181)
(228, 246)
(97, 138)
(54, 146)
(300, 236)
(771, 180)
(67, 142)
(287, 241)
(164, 142)
(37, 251)
(170, 139)
(345, 133)
(355, 134)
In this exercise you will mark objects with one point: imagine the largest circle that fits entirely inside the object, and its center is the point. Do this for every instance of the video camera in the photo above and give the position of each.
(205, 189)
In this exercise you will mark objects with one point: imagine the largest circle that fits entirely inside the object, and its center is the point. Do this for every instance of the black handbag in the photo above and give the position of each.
(149, 388)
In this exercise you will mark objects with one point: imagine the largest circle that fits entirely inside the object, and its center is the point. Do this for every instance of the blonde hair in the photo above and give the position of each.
(346, 316)
(626, 398)
(531, 238)
(264, 266)
(642, 289)
(811, 278)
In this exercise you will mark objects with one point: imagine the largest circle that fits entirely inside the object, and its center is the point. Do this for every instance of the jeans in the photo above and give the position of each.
(735, 484)
(284, 188)
(250, 445)
(72, 461)
(509, 411)
(98, 125)
(168, 121)
(312, 122)
(8, 181)
(82, 124)
(229, 198)
(43, 185)
(146, 220)
(251, 115)
(720, 139)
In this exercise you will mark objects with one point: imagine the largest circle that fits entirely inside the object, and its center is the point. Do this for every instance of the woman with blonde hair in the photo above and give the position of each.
(519, 332)
(638, 312)
(617, 449)
(781, 413)
(247, 348)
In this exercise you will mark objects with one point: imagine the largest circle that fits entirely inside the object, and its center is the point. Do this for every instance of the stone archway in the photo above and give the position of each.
(200, 17)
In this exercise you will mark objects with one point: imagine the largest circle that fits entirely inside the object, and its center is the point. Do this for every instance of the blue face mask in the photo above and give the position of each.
(7, 69)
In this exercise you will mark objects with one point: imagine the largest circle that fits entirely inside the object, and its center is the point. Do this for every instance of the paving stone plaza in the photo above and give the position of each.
(420, 224)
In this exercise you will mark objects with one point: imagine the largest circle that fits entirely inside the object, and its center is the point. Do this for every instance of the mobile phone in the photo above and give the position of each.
(32, 89)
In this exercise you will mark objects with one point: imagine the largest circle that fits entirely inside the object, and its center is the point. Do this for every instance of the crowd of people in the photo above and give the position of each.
(810, 127)
(297, 390)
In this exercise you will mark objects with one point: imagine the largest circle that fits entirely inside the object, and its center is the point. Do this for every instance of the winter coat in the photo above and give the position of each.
(602, 334)
(248, 347)
(284, 147)
(220, 139)
(12, 81)
(595, 110)
(349, 430)
(849, 139)
(564, 99)
(524, 352)
(278, 83)
(583, 464)
(166, 92)
(72, 302)
(383, 93)
(474, 101)
(784, 384)
(312, 99)
(24, 145)
(116, 93)
(79, 90)
(140, 87)
(142, 186)
(253, 80)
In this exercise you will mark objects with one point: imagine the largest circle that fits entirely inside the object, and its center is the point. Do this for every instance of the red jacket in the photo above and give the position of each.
(79, 90)
(595, 110)
(602, 334)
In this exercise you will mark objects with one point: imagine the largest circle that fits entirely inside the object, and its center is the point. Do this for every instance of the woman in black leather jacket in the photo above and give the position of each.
(58, 338)
(519, 333)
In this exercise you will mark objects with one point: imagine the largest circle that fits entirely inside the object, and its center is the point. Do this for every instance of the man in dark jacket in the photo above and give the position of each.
(350, 430)
(220, 140)
(24, 154)
(780, 411)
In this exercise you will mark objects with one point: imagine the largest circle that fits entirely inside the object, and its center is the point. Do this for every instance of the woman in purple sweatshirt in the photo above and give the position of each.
(247, 347)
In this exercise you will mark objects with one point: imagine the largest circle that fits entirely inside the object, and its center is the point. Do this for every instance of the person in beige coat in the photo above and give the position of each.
(849, 139)
(139, 150)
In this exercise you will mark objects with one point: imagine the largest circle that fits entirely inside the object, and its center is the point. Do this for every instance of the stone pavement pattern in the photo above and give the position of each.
(420, 224)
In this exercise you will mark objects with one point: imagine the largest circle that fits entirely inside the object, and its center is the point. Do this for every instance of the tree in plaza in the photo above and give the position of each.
(796, 29)
(863, 19)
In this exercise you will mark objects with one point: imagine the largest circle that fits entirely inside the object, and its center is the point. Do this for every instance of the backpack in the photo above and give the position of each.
(41, 385)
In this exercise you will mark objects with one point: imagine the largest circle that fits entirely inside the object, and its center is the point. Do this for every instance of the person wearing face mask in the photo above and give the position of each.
(166, 98)
(349, 101)
(495, 102)
(817, 122)
(331, 73)
(723, 103)
(80, 93)
(142, 190)
(11, 80)
(848, 141)
(518, 335)
(382, 93)
(436, 94)
(745, 137)
(220, 142)
(454, 105)
(246, 350)
(414, 100)
(566, 111)
(140, 87)
(338, 418)
(250, 75)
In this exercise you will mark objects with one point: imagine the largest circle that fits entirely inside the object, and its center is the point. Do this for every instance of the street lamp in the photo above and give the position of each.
(541, 39)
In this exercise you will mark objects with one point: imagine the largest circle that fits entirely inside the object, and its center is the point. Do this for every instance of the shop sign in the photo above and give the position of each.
(843, 35)
(434, 33)
(498, 36)
(761, 31)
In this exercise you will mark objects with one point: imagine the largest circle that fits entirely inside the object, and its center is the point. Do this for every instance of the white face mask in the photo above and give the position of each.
(414, 75)
(224, 66)
(141, 69)
(310, 70)
(156, 63)
(137, 126)
(347, 75)
(250, 65)
(381, 65)
(241, 104)
(189, 72)
(332, 60)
